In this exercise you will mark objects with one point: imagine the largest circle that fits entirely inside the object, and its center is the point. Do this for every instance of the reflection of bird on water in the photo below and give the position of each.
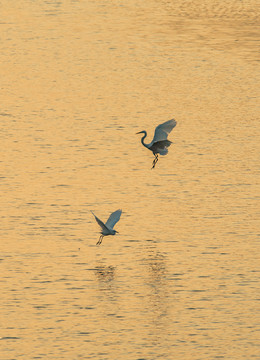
(160, 143)
(105, 273)
(107, 228)
(157, 267)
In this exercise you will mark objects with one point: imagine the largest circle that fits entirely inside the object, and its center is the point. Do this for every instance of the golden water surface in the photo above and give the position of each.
(78, 80)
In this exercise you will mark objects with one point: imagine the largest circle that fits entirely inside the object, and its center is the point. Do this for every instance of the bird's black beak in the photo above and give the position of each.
(139, 132)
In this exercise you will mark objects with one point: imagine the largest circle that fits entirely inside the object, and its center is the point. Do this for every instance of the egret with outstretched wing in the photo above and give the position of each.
(160, 143)
(107, 228)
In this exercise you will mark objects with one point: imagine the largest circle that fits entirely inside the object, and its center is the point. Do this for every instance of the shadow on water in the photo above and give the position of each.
(107, 289)
(156, 273)
(157, 300)
(105, 273)
(156, 265)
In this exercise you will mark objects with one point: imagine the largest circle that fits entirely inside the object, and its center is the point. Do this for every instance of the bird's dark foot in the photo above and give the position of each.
(155, 161)
(99, 240)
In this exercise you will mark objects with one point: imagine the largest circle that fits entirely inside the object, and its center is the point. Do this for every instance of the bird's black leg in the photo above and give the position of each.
(100, 240)
(155, 160)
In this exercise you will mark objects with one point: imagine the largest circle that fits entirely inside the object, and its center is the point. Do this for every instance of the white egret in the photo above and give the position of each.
(107, 228)
(160, 143)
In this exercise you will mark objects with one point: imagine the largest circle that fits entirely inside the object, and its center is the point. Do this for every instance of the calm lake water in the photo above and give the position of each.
(78, 80)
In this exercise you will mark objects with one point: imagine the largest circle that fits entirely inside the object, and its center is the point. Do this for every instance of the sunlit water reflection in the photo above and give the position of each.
(78, 81)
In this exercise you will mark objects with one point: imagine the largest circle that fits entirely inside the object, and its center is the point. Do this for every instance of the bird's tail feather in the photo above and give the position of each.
(163, 151)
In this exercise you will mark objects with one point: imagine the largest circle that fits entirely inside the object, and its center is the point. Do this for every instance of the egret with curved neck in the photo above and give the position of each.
(142, 139)
(160, 143)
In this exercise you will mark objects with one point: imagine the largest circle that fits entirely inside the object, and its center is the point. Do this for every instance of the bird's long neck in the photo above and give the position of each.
(142, 139)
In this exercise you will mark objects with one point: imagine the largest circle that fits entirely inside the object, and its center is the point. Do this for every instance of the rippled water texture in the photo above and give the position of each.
(78, 80)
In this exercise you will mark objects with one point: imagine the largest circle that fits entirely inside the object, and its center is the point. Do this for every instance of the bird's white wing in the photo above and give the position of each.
(113, 219)
(162, 131)
(100, 223)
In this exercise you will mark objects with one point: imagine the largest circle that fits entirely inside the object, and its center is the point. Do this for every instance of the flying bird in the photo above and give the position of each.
(107, 228)
(160, 143)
